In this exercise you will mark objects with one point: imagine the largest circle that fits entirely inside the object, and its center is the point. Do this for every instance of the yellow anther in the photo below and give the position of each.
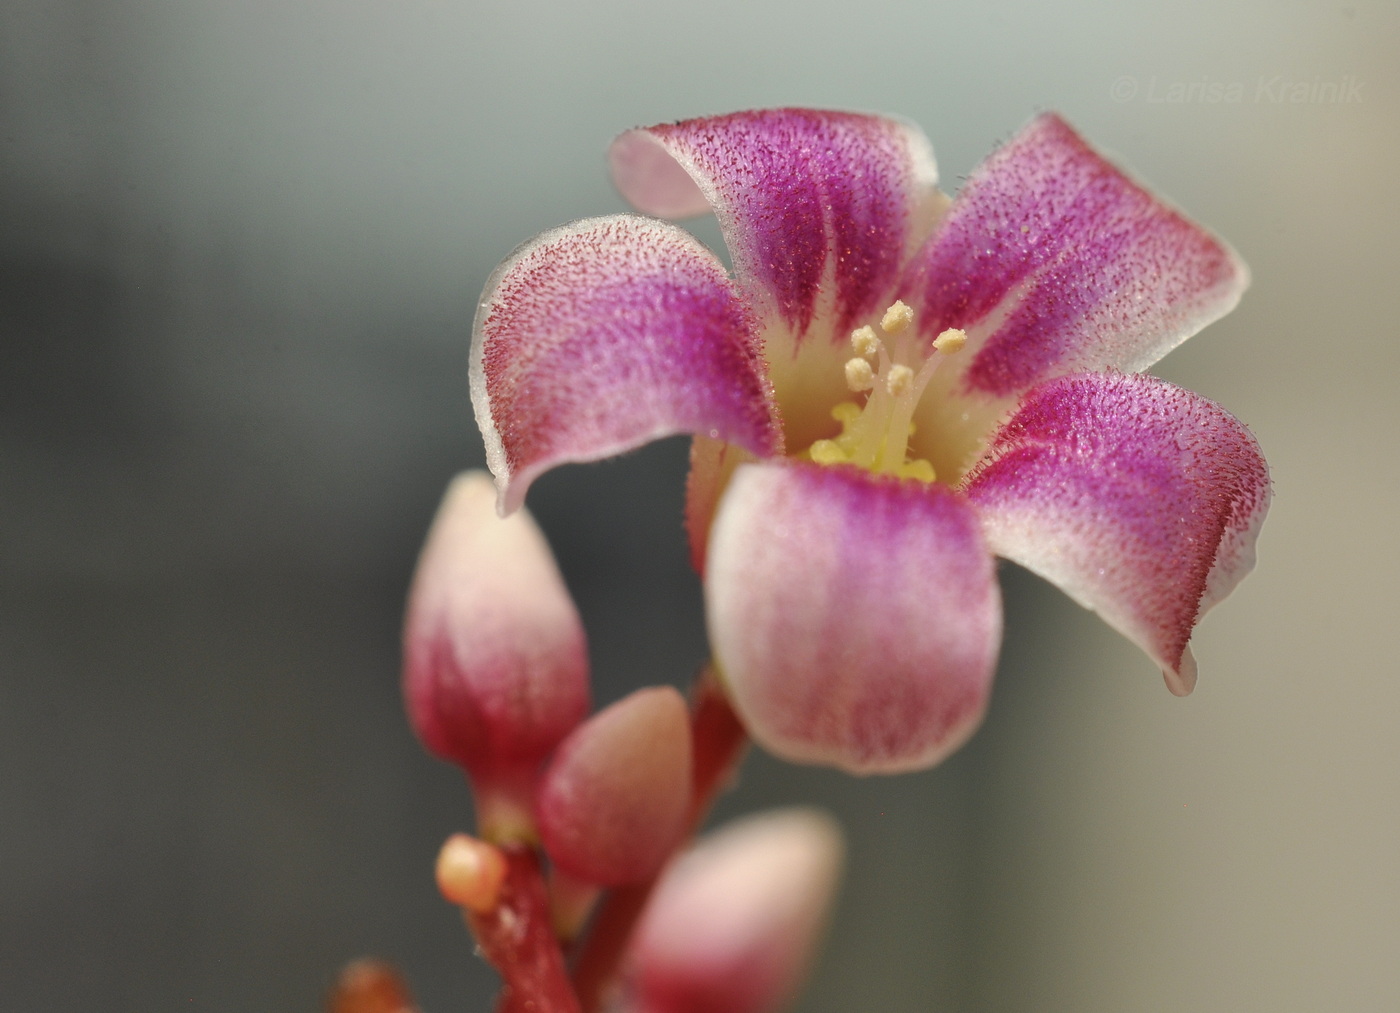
(827, 452)
(865, 343)
(846, 412)
(859, 375)
(919, 469)
(897, 318)
(899, 379)
(950, 340)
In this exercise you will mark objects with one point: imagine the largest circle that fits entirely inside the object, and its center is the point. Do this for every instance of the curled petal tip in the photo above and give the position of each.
(651, 180)
(1182, 679)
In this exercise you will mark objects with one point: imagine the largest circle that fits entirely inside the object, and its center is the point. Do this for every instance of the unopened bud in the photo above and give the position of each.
(495, 664)
(614, 800)
(370, 986)
(733, 923)
(470, 872)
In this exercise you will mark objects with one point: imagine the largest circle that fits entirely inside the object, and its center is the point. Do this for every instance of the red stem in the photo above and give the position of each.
(516, 936)
(719, 741)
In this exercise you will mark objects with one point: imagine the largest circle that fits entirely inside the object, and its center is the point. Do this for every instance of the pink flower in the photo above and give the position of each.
(892, 389)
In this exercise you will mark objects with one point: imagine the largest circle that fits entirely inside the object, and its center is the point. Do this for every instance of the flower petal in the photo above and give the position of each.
(855, 619)
(734, 922)
(606, 334)
(808, 200)
(1067, 265)
(1142, 501)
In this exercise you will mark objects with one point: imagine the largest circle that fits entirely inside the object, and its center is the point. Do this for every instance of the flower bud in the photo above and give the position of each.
(370, 986)
(470, 872)
(495, 664)
(614, 800)
(733, 923)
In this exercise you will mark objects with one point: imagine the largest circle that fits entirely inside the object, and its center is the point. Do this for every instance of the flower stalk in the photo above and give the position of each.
(517, 937)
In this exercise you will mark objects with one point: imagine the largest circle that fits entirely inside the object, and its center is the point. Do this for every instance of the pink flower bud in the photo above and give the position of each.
(614, 800)
(733, 923)
(495, 664)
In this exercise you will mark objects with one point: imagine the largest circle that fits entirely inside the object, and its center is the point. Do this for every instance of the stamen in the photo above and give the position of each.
(875, 434)
(846, 413)
(950, 340)
(827, 452)
(864, 341)
(859, 375)
(918, 469)
(897, 318)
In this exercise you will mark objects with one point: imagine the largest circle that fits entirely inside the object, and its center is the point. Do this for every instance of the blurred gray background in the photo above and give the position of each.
(240, 248)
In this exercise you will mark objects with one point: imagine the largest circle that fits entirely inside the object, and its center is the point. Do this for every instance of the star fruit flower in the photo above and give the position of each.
(891, 389)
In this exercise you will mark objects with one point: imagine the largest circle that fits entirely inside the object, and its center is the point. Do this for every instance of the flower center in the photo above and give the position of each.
(893, 373)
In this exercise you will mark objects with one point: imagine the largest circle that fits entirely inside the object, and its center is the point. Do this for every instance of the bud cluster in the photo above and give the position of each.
(496, 681)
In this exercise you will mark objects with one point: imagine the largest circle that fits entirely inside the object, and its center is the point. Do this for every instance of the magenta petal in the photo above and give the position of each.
(855, 619)
(806, 198)
(1085, 269)
(603, 335)
(1139, 499)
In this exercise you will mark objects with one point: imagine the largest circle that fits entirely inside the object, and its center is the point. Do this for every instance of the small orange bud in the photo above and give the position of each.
(470, 872)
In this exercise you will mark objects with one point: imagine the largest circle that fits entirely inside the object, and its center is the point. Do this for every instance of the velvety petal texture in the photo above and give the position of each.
(1056, 262)
(1139, 499)
(607, 334)
(810, 201)
(734, 921)
(855, 619)
(495, 663)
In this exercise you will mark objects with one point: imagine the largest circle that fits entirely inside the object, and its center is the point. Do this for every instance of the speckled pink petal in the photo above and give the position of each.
(733, 923)
(809, 201)
(855, 619)
(1142, 501)
(495, 663)
(1056, 262)
(603, 335)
